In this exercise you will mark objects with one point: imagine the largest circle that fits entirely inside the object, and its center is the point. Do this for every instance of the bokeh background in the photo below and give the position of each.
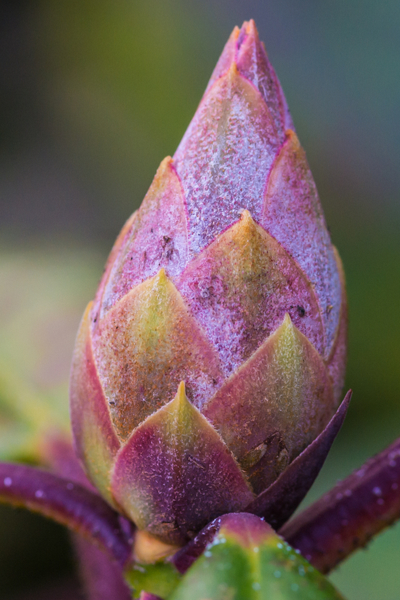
(93, 94)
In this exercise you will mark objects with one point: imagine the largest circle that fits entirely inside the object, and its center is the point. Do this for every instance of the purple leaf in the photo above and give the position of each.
(347, 517)
(186, 556)
(67, 503)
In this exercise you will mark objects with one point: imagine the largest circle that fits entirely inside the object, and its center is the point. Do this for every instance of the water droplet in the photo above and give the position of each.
(348, 493)
(255, 549)
(7, 481)
(301, 571)
(279, 545)
(277, 574)
(392, 463)
(339, 496)
(377, 491)
(294, 587)
(380, 501)
(139, 568)
(39, 494)
(207, 553)
(256, 586)
(70, 486)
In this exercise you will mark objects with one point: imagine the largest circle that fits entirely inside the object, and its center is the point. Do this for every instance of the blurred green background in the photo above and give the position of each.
(93, 94)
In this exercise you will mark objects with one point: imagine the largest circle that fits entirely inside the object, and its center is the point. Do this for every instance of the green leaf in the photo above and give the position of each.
(160, 579)
(252, 563)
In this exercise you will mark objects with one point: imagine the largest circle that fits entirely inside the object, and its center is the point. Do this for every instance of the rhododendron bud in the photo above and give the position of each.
(214, 352)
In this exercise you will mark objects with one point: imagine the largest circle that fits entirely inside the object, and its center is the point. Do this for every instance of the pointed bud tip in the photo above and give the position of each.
(180, 408)
(246, 224)
(181, 399)
(233, 72)
(235, 33)
(244, 229)
(246, 217)
(292, 139)
(163, 174)
(287, 321)
(161, 277)
(249, 27)
(239, 34)
(165, 163)
(88, 310)
(248, 35)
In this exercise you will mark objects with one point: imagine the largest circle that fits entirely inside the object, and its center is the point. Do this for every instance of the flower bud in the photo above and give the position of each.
(214, 352)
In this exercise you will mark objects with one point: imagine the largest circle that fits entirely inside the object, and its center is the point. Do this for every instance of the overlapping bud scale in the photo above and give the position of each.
(225, 279)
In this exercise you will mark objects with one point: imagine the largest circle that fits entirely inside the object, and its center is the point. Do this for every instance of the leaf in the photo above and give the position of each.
(159, 579)
(247, 560)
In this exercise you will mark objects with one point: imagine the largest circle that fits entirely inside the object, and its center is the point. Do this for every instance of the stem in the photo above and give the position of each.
(348, 516)
(67, 503)
(101, 577)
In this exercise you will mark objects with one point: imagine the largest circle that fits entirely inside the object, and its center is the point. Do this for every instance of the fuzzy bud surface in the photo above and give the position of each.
(214, 351)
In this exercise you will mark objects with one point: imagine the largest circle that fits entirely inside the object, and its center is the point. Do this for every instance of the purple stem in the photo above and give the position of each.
(67, 503)
(348, 516)
(102, 577)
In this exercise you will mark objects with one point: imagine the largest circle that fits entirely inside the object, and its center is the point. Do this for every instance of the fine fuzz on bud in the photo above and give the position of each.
(214, 352)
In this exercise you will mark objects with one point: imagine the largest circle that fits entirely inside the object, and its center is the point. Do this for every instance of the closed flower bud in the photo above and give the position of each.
(214, 352)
